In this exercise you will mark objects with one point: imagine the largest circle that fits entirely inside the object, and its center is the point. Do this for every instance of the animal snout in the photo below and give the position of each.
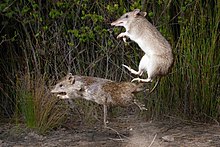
(113, 23)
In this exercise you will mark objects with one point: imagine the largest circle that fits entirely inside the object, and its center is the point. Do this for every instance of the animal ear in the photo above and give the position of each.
(137, 12)
(143, 14)
(70, 78)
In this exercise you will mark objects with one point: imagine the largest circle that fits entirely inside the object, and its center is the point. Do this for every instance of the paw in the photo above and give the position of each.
(136, 79)
(125, 39)
(140, 105)
(143, 108)
(126, 67)
(147, 80)
(121, 35)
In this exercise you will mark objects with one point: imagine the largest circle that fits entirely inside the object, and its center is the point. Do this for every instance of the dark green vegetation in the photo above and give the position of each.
(43, 40)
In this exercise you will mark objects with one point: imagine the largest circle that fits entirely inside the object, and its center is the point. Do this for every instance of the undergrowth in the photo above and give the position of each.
(39, 109)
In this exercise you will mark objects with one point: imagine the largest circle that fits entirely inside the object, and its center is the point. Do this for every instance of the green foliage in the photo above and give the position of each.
(201, 61)
(55, 37)
(55, 14)
(39, 109)
(26, 104)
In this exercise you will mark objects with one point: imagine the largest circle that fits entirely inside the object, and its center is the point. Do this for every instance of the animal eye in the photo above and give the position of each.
(61, 85)
(126, 16)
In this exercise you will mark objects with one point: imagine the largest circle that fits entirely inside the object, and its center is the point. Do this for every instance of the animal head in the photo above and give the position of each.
(68, 88)
(126, 19)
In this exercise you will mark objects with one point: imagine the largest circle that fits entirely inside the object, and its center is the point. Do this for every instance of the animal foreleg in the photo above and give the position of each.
(123, 35)
(105, 115)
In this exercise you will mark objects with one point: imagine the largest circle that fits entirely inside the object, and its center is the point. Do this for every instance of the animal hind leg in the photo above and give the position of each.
(140, 72)
(142, 80)
(140, 105)
(151, 72)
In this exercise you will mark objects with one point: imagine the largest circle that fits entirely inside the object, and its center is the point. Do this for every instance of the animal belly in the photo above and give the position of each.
(145, 63)
(154, 65)
(145, 46)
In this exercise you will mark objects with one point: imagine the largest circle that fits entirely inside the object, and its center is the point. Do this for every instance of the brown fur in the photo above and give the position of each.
(99, 90)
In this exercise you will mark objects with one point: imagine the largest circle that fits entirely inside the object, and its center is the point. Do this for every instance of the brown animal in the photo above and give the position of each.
(158, 58)
(99, 90)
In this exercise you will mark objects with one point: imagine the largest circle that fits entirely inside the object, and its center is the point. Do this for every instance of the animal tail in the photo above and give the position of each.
(158, 81)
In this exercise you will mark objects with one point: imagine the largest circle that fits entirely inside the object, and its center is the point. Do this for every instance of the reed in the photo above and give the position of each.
(192, 88)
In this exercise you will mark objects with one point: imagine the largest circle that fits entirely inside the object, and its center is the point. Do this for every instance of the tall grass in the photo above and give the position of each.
(193, 88)
(39, 109)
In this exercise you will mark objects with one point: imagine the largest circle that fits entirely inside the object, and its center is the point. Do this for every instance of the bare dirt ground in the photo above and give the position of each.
(126, 131)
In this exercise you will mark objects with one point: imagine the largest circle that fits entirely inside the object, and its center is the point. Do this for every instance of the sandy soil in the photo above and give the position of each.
(126, 131)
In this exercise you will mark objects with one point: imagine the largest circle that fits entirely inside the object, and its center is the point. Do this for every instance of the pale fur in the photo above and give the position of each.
(158, 58)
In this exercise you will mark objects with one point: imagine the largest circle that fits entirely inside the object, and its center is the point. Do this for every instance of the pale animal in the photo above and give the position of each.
(158, 58)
